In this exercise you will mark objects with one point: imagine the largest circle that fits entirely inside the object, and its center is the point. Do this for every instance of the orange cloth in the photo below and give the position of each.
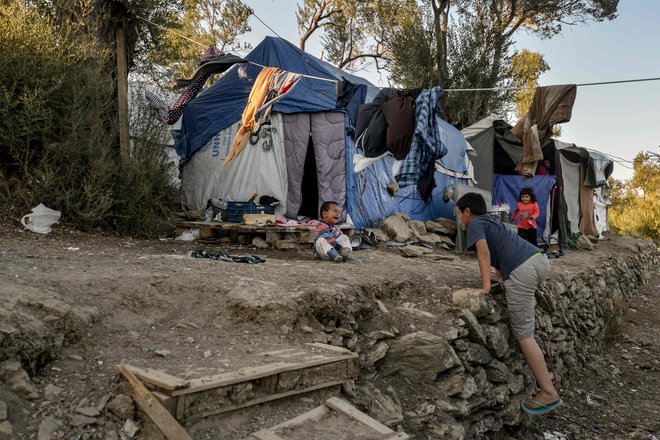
(256, 99)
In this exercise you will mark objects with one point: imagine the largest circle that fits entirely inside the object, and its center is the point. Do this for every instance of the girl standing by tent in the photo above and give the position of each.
(527, 211)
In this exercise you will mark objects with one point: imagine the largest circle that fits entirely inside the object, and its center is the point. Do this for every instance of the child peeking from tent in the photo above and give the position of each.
(330, 243)
(527, 211)
(522, 268)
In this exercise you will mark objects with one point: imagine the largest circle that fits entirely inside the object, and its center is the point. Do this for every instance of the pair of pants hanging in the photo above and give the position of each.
(328, 137)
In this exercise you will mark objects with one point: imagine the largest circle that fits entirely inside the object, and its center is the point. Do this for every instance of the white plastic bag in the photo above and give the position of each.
(41, 219)
(191, 234)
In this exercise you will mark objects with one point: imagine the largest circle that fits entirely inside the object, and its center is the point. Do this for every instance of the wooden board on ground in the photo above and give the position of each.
(210, 230)
(275, 375)
(152, 407)
(336, 419)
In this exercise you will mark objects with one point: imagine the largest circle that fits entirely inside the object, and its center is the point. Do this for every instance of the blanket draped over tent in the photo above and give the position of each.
(551, 105)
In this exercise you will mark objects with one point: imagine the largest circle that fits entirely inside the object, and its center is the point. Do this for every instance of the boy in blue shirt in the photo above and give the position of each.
(522, 267)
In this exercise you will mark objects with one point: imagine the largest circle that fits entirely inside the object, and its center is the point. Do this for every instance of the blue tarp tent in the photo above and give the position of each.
(269, 168)
(223, 103)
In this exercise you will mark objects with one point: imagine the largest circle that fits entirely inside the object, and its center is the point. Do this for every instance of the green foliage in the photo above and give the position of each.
(211, 23)
(58, 130)
(455, 44)
(635, 209)
(525, 69)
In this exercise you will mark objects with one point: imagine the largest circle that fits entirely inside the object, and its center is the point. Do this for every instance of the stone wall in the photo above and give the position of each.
(467, 382)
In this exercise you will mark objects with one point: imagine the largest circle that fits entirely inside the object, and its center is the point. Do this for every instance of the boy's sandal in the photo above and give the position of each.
(540, 408)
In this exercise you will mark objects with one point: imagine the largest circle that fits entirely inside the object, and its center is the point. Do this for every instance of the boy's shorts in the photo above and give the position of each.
(520, 299)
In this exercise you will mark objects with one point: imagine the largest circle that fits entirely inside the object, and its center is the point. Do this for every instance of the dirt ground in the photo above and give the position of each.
(147, 303)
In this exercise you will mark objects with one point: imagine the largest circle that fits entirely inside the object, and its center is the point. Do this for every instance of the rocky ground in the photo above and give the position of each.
(73, 305)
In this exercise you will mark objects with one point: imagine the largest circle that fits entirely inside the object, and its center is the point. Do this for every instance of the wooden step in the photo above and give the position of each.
(280, 374)
(334, 419)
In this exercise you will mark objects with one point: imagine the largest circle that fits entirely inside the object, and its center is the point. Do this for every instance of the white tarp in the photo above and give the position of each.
(260, 169)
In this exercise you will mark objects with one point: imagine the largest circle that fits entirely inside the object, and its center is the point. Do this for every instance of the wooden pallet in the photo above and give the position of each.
(346, 418)
(209, 230)
(283, 373)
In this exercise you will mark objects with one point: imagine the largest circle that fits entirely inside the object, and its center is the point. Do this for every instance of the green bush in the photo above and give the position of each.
(58, 131)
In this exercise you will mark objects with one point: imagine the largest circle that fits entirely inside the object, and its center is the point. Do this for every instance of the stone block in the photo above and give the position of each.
(498, 339)
(421, 356)
(395, 226)
(472, 299)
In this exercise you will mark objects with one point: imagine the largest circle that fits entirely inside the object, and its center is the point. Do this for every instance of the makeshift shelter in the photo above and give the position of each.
(305, 154)
(577, 206)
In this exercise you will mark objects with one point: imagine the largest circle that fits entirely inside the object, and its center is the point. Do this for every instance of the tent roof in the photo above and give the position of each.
(222, 104)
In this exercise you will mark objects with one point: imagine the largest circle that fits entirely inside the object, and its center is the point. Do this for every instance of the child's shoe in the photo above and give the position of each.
(345, 253)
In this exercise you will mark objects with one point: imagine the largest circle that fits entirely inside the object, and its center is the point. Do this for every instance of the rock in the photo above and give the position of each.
(80, 420)
(111, 435)
(374, 355)
(89, 411)
(472, 299)
(412, 251)
(381, 236)
(395, 226)
(498, 372)
(478, 354)
(380, 334)
(260, 243)
(52, 392)
(421, 356)
(417, 227)
(49, 428)
(584, 243)
(21, 384)
(517, 384)
(130, 428)
(122, 406)
(454, 407)
(469, 387)
(448, 226)
(417, 312)
(386, 409)
(498, 339)
(162, 353)
(6, 428)
(430, 239)
(452, 385)
(447, 431)
(422, 416)
(3, 411)
(475, 332)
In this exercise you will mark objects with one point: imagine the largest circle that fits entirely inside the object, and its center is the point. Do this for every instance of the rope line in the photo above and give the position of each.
(482, 89)
(487, 89)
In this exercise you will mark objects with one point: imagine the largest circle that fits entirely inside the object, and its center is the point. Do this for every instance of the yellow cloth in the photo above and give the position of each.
(256, 99)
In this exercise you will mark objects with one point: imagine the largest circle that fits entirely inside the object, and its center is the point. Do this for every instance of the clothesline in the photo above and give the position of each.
(482, 89)
(487, 89)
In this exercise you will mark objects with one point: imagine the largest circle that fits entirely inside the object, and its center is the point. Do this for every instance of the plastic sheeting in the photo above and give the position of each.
(506, 189)
(222, 104)
(260, 168)
(368, 201)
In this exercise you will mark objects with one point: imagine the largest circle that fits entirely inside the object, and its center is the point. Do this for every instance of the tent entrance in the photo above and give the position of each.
(310, 185)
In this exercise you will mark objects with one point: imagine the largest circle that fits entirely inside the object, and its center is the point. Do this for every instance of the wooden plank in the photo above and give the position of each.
(265, 399)
(328, 347)
(344, 407)
(251, 373)
(267, 435)
(252, 219)
(148, 403)
(169, 402)
(159, 378)
(314, 415)
(180, 407)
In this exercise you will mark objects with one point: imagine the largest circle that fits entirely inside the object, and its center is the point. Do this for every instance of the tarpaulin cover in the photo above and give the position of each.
(222, 104)
(368, 201)
(506, 189)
